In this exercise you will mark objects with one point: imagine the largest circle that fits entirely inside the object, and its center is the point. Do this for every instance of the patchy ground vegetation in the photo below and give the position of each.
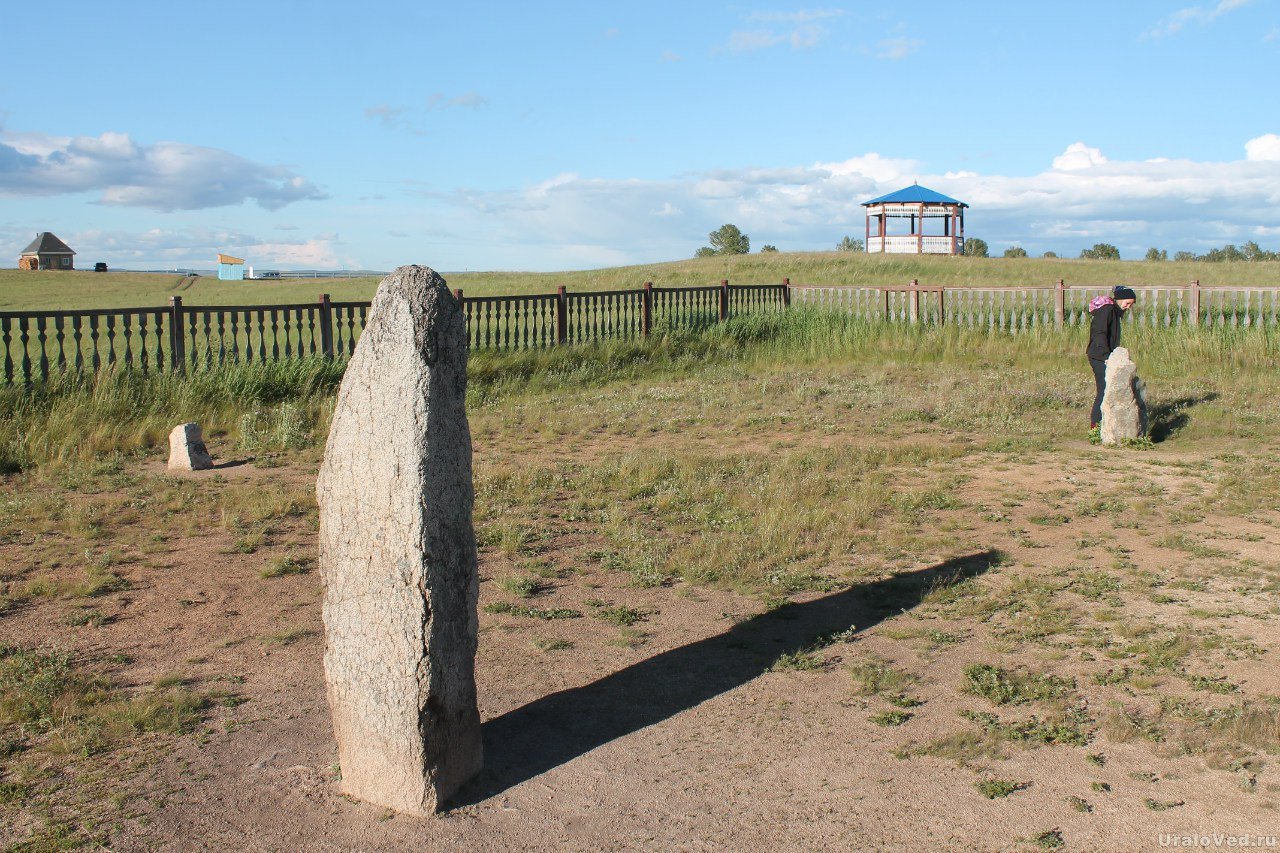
(755, 587)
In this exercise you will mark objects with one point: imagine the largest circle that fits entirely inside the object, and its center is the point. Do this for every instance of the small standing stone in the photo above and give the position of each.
(398, 553)
(1124, 402)
(186, 449)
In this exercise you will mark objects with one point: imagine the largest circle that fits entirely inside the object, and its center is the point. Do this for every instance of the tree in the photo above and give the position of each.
(1180, 257)
(726, 240)
(975, 248)
(1049, 255)
(768, 248)
(1101, 252)
(1015, 252)
(850, 244)
(1154, 254)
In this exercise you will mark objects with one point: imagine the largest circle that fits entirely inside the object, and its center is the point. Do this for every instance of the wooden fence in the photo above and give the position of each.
(36, 344)
(1013, 309)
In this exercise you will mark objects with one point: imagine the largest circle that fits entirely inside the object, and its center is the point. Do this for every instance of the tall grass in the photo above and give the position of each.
(54, 289)
(76, 417)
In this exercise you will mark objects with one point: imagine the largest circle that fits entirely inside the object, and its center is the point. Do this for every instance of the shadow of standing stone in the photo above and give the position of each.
(398, 553)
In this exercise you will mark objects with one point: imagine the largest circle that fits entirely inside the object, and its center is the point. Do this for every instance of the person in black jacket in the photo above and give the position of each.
(1104, 336)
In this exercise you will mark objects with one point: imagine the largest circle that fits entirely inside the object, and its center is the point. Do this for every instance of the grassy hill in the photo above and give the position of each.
(33, 290)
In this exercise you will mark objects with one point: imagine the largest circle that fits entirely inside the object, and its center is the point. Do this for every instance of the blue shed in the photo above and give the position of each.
(230, 268)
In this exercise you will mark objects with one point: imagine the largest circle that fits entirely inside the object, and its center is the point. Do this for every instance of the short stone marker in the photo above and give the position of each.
(398, 553)
(186, 449)
(1124, 402)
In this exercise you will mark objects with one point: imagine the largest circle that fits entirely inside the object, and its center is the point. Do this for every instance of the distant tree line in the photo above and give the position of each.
(1250, 251)
(728, 239)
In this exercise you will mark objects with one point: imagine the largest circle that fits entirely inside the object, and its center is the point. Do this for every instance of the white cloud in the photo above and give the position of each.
(164, 176)
(410, 120)
(1078, 156)
(1082, 197)
(467, 100)
(804, 34)
(1263, 148)
(670, 56)
(897, 48)
(1193, 14)
(741, 41)
(163, 248)
(799, 16)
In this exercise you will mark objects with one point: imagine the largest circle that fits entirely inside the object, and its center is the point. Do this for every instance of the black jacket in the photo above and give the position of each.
(1104, 332)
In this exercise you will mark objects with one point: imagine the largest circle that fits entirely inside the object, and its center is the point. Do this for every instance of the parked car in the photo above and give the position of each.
(100, 267)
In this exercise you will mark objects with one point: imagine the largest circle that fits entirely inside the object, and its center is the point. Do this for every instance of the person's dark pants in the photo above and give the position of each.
(1100, 379)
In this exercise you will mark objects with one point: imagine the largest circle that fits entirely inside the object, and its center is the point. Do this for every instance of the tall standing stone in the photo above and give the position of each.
(398, 553)
(1124, 402)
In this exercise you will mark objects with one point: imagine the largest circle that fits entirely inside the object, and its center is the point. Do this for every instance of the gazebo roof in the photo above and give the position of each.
(914, 194)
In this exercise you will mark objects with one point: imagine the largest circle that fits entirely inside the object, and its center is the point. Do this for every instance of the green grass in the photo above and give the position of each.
(282, 566)
(77, 418)
(523, 586)
(50, 289)
(994, 789)
(286, 405)
(1012, 687)
(544, 613)
(892, 717)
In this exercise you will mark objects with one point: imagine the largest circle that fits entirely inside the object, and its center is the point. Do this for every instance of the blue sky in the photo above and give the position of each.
(566, 135)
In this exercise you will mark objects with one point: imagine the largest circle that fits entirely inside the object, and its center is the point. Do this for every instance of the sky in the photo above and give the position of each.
(576, 135)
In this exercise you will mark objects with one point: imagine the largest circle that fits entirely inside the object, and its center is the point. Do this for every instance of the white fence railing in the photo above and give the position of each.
(1016, 308)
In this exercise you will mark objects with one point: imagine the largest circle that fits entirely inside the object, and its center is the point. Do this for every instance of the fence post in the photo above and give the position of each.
(914, 308)
(887, 315)
(177, 339)
(942, 306)
(562, 315)
(786, 293)
(326, 326)
(1060, 304)
(1195, 302)
(724, 299)
(646, 310)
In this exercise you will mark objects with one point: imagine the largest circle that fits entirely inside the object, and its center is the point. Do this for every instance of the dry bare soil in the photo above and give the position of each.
(792, 610)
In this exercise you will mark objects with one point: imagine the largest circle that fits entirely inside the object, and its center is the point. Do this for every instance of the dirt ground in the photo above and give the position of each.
(682, 731)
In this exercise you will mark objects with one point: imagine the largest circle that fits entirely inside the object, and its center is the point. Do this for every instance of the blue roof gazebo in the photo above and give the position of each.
(902, 220)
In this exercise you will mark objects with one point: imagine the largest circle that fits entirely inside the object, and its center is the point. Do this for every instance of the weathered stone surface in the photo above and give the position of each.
(186, 449)
(1124, 402)
(398, 553)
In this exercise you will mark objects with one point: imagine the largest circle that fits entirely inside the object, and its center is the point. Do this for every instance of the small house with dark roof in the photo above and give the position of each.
(47, 252)
(915, 220)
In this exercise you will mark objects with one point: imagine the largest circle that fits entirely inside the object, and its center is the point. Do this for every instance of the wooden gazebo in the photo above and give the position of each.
(915, 220)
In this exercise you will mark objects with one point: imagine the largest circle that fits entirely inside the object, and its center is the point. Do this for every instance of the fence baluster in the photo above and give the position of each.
(24, 338)
(126, 330)
(142, 341)
(75, 338)
(62, 356)
(8, 356)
